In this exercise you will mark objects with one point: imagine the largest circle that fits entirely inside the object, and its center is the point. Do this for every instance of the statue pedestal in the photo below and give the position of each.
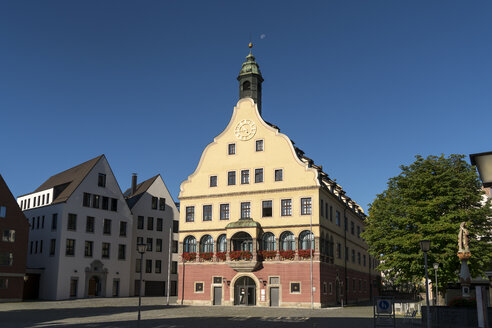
(465, 277)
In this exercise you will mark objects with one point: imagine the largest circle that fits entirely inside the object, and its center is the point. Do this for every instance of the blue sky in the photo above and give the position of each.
(361, 86)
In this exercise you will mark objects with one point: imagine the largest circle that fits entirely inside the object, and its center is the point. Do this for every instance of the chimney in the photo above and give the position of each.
(134, 182)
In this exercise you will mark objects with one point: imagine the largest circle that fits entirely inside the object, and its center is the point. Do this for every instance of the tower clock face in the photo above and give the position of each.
(245, 130)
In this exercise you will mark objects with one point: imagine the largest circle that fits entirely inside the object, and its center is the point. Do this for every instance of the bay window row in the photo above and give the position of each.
(102, 202)
(245, 177)
(89, 249)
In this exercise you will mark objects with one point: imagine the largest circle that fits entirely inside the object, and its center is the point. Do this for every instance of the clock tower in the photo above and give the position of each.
(250, 79)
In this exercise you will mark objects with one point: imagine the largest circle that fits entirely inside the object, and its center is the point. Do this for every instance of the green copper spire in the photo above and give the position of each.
(250, 79)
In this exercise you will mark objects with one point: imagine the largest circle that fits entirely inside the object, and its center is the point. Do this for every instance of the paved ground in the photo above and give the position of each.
(122, 312)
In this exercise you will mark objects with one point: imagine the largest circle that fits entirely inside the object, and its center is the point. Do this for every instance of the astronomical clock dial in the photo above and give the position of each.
(245, 130)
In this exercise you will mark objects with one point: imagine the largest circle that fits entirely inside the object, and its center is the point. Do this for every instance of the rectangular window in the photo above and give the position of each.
(73, 287)
(138, 265)
(140, 222)
(158, 265)
(121, 252)
(174, 267)
(42, 222)
(72, 221)
(107, 226)
(358, 232)
(358, 258)
(40, 246)
(4, 283)
(9, 236)
(105, 203)
(86, 200)
(207, 212)
(259, 145)
(295, 287)
(33, 223)
(174, 246)
(114, 204)
(224, 211)
(213, 181)
(306, 206)
(346, 253)
(150, 242)
(190, 213)
(37, 223)
(52, 247)
(352, 228)
(154, 203)
(245, 210)
(231, 178)
(95, 201)
(198, 287)
(3, 211)
(88, 248)
(148, 266)
(101, 180)
(32, 243)
(286, 207)
(266, 208)
(258, 175)
(150, 223)
(162, 204)
(122, 229)
(105, 250)
(364, 259)
(339, 250)
(139, 241)
(321, 208)
(337, 218)
(70, 247)
(159, 224)
(353, 256)
(231, 149)
(158, 245)
(244, 176)
(279, 175)
(89, 224)
(175, 226)
(6, 258)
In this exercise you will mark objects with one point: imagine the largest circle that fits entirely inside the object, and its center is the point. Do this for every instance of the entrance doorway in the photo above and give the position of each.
(93, 289)
(218, 295)
(245, 291)
(274, 296)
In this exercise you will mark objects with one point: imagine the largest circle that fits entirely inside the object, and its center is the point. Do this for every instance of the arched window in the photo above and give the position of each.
(269, 242)
(306, 240)
(189, 245)
(242, 241)
(287, 241)
(246, 85)
(222, 243)
(206, 244)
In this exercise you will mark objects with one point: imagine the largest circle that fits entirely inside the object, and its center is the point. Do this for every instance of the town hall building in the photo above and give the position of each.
(262, 225)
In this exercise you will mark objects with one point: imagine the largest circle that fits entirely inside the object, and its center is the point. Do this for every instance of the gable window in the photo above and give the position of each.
(190, 213)
(279, 175)
(95, 201)
(258, 175)
(245, 210)
(213, 181)
(123, 229)
(121, 252)
(306, 206)
(8, 236)
(54, 221)
(140, 222)
(159, 224)
(231, 178)
(107, 227)
(286, 207)
(114, 204)
(3, 211)
(266, 208)
(105, 203)
(207, 212)
(154, 203)
(224, 211)
(70, 247)
(105, 250)
(52, 247)
(72, 221)
(88, 248)
(158, 266)
(244, 176)
(86, 200)
(150, 223)
(89, 224)
(259, 145)
(158, 245)
(231, 149)
(101, 180)
(162, 204)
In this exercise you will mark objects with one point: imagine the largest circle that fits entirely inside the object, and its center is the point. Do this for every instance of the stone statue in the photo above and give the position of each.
(463, 239)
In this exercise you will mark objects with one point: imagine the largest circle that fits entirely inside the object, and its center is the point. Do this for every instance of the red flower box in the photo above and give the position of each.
(189, 256)
(305, 253)
(221, 256)
(268, 254)
(288, 254)
(206, 256)
(240, 255)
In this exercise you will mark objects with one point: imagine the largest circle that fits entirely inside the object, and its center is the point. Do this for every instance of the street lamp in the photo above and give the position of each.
(141, 249)
(425, 246)
(436, 266)
(483, 162)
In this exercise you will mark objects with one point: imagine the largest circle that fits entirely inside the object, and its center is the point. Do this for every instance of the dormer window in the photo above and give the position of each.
(231, 149)
(246, 86)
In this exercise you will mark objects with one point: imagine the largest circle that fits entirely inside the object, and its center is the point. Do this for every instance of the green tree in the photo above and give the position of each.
(428, 200)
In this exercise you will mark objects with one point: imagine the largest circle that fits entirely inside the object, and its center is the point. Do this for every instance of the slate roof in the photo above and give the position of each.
(65, 183)
(142, 187)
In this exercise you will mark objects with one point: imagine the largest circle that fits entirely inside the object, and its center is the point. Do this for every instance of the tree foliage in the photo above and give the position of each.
(428, 200)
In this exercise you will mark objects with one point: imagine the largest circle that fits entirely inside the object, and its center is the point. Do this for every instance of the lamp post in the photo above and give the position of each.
(141, 249)
(425, 246)
(436, 266)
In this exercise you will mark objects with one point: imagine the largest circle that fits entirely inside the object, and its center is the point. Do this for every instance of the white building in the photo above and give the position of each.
(156, 219)
(80, 240)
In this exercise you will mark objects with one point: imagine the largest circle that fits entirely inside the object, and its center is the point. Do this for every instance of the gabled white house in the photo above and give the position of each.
(156, 219)
(80, 242)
